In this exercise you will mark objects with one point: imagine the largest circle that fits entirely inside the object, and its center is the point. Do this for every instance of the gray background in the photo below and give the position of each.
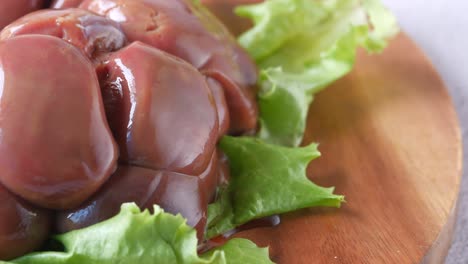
(440, 27)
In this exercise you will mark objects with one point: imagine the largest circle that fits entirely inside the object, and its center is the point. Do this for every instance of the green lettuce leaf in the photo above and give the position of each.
(265, 180)
(242, 251)
(301, 46)
(134, 236)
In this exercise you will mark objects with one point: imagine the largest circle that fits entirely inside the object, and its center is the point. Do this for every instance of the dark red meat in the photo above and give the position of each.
(160, 109)
(56, 148)
(94, 35)
(23, 227)
(176, 193)
(194, 35)
(115, 101)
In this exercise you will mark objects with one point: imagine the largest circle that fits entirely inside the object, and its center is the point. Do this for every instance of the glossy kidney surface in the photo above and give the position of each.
(175, 192)
(96, 36)
(186, 31)
(160, 109)
(55, 147)
(23, 227)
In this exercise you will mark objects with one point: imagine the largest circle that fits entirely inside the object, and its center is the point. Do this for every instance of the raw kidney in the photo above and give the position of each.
(175, 192)
(188, 32)
(56, 148)
(23, 227)
(96, 36)
(160, 109)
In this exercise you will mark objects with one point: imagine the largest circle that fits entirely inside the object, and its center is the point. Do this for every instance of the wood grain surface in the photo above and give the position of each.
(391, 143)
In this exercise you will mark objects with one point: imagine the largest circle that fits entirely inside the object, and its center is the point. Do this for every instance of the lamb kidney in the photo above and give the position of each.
(209, 179)
(11, 10)
(56, 148)
(23, 227)
(221, 105)
(93, 34)
(191, 33)
(176, 193)
(160, 109)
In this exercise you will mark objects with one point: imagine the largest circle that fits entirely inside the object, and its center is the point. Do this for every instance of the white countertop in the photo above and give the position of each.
(440, 27)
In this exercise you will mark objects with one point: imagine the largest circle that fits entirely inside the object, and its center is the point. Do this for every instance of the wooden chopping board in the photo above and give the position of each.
(391, 143)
